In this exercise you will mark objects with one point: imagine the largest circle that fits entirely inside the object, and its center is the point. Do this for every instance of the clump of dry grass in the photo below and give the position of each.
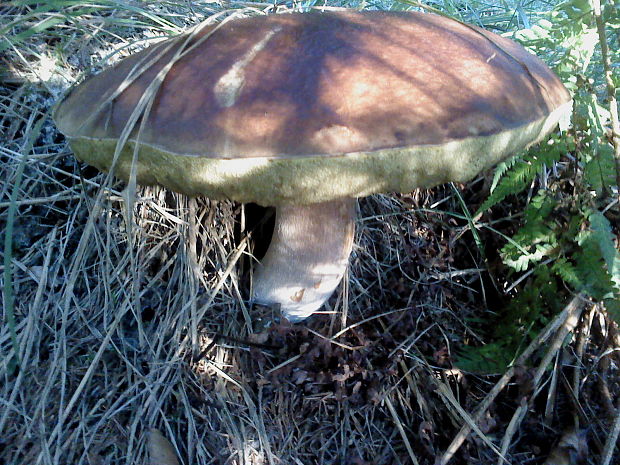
(135, 318)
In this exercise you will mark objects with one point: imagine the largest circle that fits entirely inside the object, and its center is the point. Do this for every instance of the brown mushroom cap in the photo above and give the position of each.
(309, 107)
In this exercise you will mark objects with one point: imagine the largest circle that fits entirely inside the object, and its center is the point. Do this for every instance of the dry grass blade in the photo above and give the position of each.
(27, 344)
(117, 289)
(401, 430)
(32, 132)
(64, 414)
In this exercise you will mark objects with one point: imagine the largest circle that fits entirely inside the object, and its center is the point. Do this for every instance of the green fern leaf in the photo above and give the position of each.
(604, 237)
(502, 168)
(613, 308)
(565, 270)
(510, 330)
(536, 239)
(590, 268)
(492, 357)
(600, 171)
(520, 176)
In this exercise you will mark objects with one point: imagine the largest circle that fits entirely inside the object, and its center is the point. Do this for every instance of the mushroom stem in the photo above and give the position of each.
(307, 257)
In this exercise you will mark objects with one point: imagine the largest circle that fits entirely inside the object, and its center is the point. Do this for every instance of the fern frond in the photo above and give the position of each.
(604, 237)
(600, 170)
(502, 168)
(493, 357)
(565, 270)
(613, 308)
(590, 268)
(520, 176)
(511, 329)
(536, 239)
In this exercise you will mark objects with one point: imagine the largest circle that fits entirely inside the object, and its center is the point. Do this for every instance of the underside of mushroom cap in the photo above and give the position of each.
(269, 109)
(308, 180)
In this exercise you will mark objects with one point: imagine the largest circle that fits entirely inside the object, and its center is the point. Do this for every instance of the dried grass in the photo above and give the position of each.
(132, 320)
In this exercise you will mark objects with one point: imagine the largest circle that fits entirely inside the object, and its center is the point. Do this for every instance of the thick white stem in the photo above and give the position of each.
(307, 257)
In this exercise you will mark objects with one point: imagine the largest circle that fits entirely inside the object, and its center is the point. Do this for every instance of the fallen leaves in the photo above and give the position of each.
(349, 368)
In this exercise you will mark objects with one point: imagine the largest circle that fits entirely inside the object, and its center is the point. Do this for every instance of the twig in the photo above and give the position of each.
(611, 90)
(610, 444)
(584, 335)
(243, 342)
(499, 386)
(575, 307)
(515, 421)
(446, 393)
(553, 388)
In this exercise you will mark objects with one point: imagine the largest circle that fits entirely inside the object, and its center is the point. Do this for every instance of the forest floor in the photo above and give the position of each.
(130, 325)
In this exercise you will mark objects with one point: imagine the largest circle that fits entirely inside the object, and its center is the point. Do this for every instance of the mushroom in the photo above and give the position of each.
(308, 111)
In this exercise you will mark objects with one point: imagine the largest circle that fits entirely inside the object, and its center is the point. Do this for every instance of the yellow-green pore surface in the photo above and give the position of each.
(305, 180)
(305, 108)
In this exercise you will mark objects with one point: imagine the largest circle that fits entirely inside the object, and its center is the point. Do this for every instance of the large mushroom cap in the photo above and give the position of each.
(309, 107)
